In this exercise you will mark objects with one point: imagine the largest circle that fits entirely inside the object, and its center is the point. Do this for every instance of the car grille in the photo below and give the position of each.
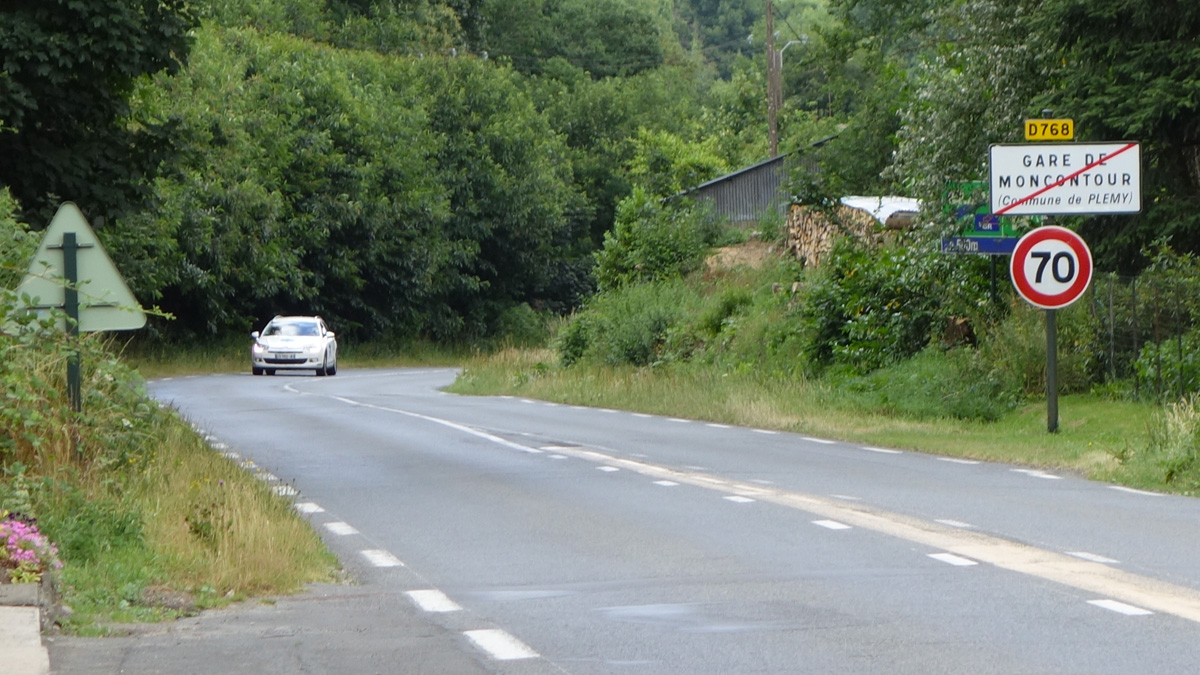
(282, 359)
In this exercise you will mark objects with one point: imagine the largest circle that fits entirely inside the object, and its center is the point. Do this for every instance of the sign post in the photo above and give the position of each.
(78, 277)
(1051, 267)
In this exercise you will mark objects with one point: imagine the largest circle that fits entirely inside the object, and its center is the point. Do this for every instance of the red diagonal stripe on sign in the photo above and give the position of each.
(1063, 180)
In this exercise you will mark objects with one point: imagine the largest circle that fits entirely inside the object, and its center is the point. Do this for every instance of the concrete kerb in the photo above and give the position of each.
(21, 648)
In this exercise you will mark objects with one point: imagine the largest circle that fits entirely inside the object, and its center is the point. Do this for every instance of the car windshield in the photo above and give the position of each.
(307, 328)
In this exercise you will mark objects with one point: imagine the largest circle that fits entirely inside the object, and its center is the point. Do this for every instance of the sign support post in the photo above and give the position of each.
(70, 249)
(1051, 371)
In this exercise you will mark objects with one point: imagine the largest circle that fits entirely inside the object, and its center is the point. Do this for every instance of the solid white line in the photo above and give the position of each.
(666, 483)
(341, 528)
(955, 460)
(822, 441)
(883, 451)
(952, 559)
(381, 558)
(1132, 491)
(831, 524)
(955, 523)
(500, 645)
(1093, 557)
(309, 507)
(433, 601)
(739, 499)
(1120, 607)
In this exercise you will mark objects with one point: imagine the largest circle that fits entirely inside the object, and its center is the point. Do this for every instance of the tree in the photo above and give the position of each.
(69, 71)
(1131, 71)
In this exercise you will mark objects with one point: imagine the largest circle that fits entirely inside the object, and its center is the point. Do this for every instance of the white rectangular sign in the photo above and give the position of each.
(1041, 179)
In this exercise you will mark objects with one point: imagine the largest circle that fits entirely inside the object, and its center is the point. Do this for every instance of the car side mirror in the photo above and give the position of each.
(254, 335)
(330, 333)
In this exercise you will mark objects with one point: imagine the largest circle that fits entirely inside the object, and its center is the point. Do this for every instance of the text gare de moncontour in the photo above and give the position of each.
(1096, 177)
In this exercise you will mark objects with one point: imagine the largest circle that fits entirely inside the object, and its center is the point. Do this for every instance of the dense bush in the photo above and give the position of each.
(1016, 347)
(653, 241)
(629, 325)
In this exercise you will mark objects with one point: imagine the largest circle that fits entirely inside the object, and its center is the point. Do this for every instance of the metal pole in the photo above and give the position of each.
(71, 305)
(772, 83)
(1051, 372)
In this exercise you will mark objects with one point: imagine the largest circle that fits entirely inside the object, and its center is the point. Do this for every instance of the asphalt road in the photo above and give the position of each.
(527, 537)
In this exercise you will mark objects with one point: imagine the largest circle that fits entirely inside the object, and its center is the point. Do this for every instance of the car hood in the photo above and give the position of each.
(286, 342)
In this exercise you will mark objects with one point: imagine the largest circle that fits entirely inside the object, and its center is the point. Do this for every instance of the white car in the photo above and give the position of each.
(294, 343)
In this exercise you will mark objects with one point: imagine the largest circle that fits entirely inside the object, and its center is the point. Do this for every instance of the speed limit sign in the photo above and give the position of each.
(1051, 267)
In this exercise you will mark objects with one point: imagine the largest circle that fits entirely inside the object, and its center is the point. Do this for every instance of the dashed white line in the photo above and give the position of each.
(500, 645)
(433, 601)
(849, 498)
(285, 490)
(340, 528)
(1092, 557)
(666, 483)
(642, 415)
(381, 558)
(765, 431)
(557, 456)
(883, 451)
(1034, 473)
(822, 441)
(220, 446)
(678, 420)
(738, 499)
(1132, 491)
(955, 523)
(831, 524)
(309, 507)
(607, 469)
(1120, 607)
(557, 447)
(956, 460)
(718, 426)
(267, 477)
(951, 559)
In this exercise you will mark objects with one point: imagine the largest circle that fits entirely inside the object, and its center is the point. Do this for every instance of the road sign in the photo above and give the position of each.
(1051, 267)
(70, 256)
(1049, 130)
(1077, 178)
(979, 245)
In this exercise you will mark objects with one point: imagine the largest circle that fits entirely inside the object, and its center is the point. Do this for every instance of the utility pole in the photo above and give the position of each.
(774, 84)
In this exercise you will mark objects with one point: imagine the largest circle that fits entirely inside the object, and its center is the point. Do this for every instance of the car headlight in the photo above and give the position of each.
(315, 349)
(258, 348)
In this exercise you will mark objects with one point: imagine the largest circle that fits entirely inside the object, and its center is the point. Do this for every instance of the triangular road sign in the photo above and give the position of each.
(105, 301)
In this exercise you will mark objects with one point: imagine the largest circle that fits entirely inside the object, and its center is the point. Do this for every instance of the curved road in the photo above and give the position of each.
(554, 539)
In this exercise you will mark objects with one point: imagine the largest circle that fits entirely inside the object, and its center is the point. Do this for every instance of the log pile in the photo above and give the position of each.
(812, 233)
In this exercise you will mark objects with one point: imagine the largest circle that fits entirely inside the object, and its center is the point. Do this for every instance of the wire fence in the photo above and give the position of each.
(1148, 333)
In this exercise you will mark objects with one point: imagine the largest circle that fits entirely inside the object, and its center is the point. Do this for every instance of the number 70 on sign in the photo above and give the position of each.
(1051, 267)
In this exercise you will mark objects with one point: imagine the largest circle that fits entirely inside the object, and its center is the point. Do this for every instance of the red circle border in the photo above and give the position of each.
(1021, 252)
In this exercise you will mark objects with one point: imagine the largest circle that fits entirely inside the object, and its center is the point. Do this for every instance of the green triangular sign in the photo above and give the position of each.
(105, 301)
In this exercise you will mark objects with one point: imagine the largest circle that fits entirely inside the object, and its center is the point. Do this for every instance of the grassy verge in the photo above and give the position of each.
(1098, 438)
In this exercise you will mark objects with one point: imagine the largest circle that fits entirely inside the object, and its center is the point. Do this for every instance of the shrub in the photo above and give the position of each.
(627, 326)
(1017, 348)
(652, 241)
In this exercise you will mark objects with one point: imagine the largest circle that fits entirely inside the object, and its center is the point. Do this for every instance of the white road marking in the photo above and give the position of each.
(433, 601)
(1132, 491)
(557, 447)
(267, 477)
(219, 446)
(883, 451)
(666, 483)
(760, 481)
(1120, 607)
(1103, 580)
(285, 490)
(381, 558)
(558, 456)
(822, 441)
(608, 469)
(765, 431)
(848, 498)
(1093, 557)
(642, 415)
(718, 426)
(231, 455)
(955, 523)
(1034, 473)
(341, 529)
(831, 524)
(525, 400)
(309, 507)
(956, 460)
(739, 499)
(678, 420)
(500, 645)
(952, 559)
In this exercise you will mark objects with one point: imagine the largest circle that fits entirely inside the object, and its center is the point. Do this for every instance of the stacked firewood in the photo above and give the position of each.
(811, 233)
